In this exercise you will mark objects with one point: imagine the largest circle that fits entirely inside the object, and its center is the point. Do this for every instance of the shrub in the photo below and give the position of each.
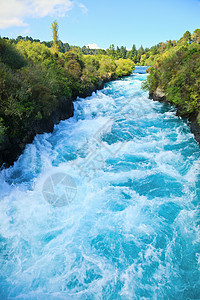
(10, 56)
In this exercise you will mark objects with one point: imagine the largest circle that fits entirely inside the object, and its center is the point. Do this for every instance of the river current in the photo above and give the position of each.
(106, 206)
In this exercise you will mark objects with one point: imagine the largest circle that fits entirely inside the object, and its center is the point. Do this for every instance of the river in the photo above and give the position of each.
(106, 206)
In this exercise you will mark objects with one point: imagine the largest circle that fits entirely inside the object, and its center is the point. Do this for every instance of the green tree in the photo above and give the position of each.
(133, 52)
(123, 52)
(55, 37)
(118, 54)
(10, 56)
(111, 51)
(196, 36)
(169, 44)
(141, 50)
(187, 36)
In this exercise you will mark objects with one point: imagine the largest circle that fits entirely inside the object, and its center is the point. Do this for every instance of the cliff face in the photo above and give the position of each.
(195, 128)
(159, 95)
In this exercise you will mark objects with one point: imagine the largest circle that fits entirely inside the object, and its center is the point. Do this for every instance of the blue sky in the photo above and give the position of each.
(104, 22)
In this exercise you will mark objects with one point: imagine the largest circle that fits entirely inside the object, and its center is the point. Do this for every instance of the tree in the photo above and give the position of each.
(133, 49)
(55, 37)
(196, 36)
(187, 36)
(66, 47)
(133, 52)
(27, 38)
(19, 38)
(111, 51)
(10, 56)
(169, 44)
(118, 54)
(141, 50)
(123, 52)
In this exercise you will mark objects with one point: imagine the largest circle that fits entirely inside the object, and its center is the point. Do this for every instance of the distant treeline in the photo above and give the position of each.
(141, 56)
(115, 53)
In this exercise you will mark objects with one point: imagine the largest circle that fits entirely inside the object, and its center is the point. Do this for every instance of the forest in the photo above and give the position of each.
(115, 52)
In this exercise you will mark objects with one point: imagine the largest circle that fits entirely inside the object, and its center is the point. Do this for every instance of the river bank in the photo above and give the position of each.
(12, 148)
(174, 77)
(193, 118)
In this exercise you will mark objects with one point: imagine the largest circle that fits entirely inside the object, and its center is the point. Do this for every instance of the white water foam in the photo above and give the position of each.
(132, 230)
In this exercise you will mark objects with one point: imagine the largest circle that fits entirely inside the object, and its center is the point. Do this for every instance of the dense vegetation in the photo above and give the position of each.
(115, 53)
(34, 79)
(175, 70)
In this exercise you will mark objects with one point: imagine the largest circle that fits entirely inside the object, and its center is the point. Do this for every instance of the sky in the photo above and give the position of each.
(100, 23)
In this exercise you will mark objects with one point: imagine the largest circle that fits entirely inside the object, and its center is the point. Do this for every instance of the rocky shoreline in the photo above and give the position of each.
(160, 96)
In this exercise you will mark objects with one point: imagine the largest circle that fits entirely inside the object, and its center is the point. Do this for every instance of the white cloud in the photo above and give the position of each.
(83, 8)
(13, 12)
(11, 22)
(58, 8)
(93, 46)
(26, 31)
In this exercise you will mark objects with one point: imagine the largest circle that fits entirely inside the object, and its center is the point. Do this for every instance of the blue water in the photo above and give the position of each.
(131, 229)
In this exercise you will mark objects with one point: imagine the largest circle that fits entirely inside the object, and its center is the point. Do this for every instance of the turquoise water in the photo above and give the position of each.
(131, 227)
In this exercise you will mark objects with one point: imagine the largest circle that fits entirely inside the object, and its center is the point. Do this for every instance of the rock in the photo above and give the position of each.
(195, 129)
(158, 95)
